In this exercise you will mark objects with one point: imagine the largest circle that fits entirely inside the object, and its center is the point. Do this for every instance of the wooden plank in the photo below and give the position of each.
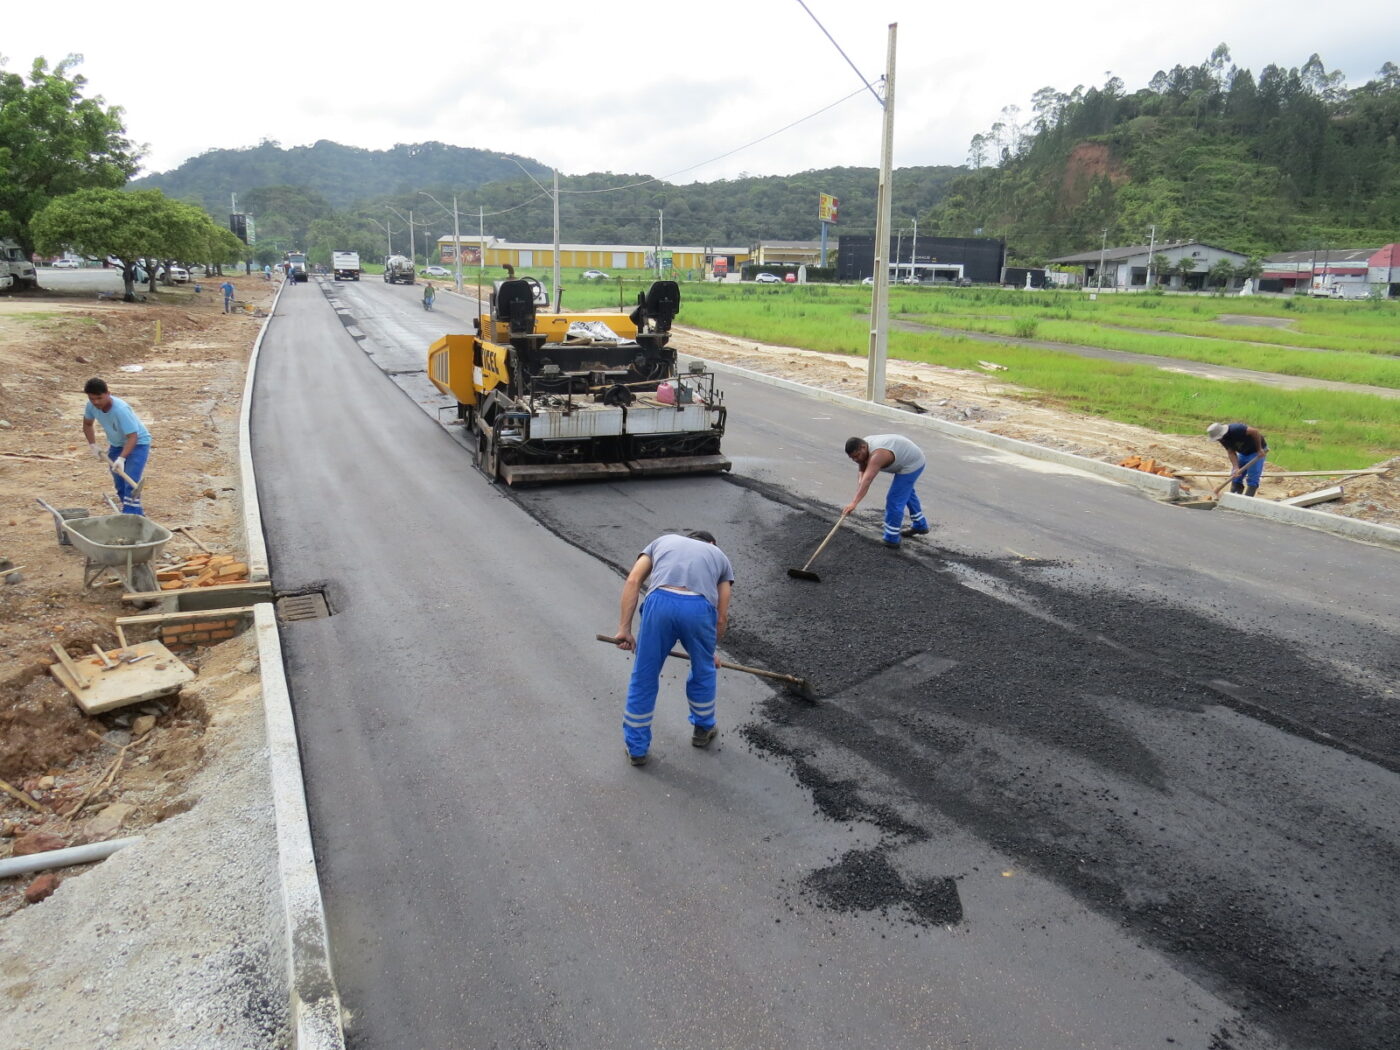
(150, 596)
(193, 614)
(159, 674)
(1279, 473)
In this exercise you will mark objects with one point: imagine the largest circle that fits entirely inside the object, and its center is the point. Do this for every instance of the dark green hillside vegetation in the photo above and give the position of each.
(339, 174)
(290, 190)
(1288, 160)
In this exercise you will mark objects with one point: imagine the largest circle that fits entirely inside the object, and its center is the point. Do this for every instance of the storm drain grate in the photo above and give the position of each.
(303, 606)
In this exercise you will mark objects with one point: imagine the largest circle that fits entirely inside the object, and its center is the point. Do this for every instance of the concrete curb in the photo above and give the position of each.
(315, 1001)
(248, 488)
(1152, 484)
(1366, 531)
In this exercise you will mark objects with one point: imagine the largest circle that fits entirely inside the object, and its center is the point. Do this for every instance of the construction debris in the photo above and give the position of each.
(1148, 465)
(202, 570)
(1308, 499)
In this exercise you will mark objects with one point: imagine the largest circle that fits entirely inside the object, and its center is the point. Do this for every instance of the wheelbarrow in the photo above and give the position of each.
(123, 544)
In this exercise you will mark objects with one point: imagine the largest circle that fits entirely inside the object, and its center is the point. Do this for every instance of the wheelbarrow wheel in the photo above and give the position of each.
(143, 580)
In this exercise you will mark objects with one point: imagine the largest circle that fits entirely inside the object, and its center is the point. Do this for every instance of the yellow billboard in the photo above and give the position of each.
(827, 206)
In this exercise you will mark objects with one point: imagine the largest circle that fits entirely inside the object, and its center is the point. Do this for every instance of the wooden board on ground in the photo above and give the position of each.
(157, 673)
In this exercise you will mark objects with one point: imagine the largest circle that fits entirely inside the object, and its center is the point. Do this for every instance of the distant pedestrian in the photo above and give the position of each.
(890, 454)
(689, 580)
(227, 289)
(1247, 449)
(128, 440)
(429, 294)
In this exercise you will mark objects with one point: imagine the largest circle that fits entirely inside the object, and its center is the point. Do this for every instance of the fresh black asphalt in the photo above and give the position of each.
(1084, 771)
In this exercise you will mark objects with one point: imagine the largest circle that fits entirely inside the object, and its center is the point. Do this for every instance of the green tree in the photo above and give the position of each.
(1221, 272)
(1184, 267)
(53, 142)
(143, 226)
(1161, 267)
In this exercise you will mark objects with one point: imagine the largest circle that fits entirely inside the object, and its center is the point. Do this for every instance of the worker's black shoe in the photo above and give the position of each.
(638, 760)
(702, 737)
(891, 544)
(912, 530)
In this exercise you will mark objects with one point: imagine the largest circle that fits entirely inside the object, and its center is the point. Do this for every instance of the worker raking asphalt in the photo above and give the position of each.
(1160, 793)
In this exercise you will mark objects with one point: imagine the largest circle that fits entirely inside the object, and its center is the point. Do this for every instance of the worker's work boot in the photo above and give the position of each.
(891, 544)
(1251, 490)
(702, 736)
(638, 760)
(913, 530)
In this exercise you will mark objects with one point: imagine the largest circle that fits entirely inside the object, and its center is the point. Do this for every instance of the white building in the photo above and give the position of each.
(1126, 267)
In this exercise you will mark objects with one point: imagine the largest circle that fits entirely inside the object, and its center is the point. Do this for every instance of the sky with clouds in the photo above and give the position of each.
(689, 92)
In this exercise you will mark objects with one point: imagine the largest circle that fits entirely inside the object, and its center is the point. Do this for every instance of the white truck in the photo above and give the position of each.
(398, 269)
(346, 265)
(17, 266)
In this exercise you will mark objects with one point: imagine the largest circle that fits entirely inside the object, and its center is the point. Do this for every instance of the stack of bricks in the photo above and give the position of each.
(212, 629)
(203, 570)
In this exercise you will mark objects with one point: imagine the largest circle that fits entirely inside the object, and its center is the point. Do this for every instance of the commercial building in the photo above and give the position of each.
(927, 260)
(497, 252)
(1342, 273)
(1126, 267)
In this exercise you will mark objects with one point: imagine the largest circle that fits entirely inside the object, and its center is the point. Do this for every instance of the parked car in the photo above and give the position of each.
(767, 278)
(65, 264)
(178, 274)
(790, 278)
(594, 275)
(437, 271)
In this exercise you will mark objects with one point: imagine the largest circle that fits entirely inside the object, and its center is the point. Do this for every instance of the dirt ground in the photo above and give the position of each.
(987, 402)
(180, 361)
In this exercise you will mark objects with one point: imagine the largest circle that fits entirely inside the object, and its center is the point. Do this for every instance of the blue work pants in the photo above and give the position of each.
(669, 617)
(1253, 464)
(901, 497)
(135, 467)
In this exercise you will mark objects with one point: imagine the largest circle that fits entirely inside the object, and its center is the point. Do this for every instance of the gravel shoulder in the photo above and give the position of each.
(174, 941)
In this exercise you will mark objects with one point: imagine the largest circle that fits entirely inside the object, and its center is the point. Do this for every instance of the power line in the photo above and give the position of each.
(834, 44)
(722, 156)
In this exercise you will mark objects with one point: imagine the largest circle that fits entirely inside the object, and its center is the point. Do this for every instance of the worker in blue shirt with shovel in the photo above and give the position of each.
(128, 440)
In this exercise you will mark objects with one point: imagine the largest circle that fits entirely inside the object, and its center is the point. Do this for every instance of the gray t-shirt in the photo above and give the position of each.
(908, 457)
(679, 561)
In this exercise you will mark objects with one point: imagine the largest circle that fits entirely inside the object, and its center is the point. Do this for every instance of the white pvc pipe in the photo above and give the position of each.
(62, 858)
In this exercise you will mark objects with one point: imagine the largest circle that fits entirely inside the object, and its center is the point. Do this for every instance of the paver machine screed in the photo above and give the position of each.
(557, 397)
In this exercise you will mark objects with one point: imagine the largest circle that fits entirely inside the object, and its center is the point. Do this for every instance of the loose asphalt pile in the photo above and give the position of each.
(1198, 783)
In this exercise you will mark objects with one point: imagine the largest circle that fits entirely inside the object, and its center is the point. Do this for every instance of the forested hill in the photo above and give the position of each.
(329, 192)
(340, 175)
(1288, 160)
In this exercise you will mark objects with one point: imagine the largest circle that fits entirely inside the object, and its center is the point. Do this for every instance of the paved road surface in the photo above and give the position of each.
(1087, 771)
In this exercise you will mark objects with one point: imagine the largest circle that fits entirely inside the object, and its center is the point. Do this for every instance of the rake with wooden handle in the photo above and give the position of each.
(803, 573)
(803, 687)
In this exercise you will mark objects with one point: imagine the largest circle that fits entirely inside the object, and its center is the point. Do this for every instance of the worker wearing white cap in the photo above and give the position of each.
(1246, 448)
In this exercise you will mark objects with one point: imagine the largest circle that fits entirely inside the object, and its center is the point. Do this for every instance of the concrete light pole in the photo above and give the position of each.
(1151, 247)
(1102, 249)
(456, 236)
(880, 284)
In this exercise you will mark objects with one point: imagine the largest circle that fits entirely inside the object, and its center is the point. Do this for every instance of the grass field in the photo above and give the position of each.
(1308, 429)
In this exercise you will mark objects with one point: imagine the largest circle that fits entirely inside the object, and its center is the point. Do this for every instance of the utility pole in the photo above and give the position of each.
(898, 251)
(660, 237)
(880, 284)
(412, 253)
(1152, 247)
(456, 245)
(558, 296)
(1102, 249)
(914, 249)
(481, 250)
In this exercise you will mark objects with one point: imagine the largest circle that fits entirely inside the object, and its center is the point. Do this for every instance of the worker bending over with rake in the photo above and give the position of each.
(1247, 448)
(689, 580)
(129, 442)
(890, 454)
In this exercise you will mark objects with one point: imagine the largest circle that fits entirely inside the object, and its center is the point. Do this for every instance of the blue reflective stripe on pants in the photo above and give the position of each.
(902, 496)
(135, 467)
(668, 618)
(1254, 469)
